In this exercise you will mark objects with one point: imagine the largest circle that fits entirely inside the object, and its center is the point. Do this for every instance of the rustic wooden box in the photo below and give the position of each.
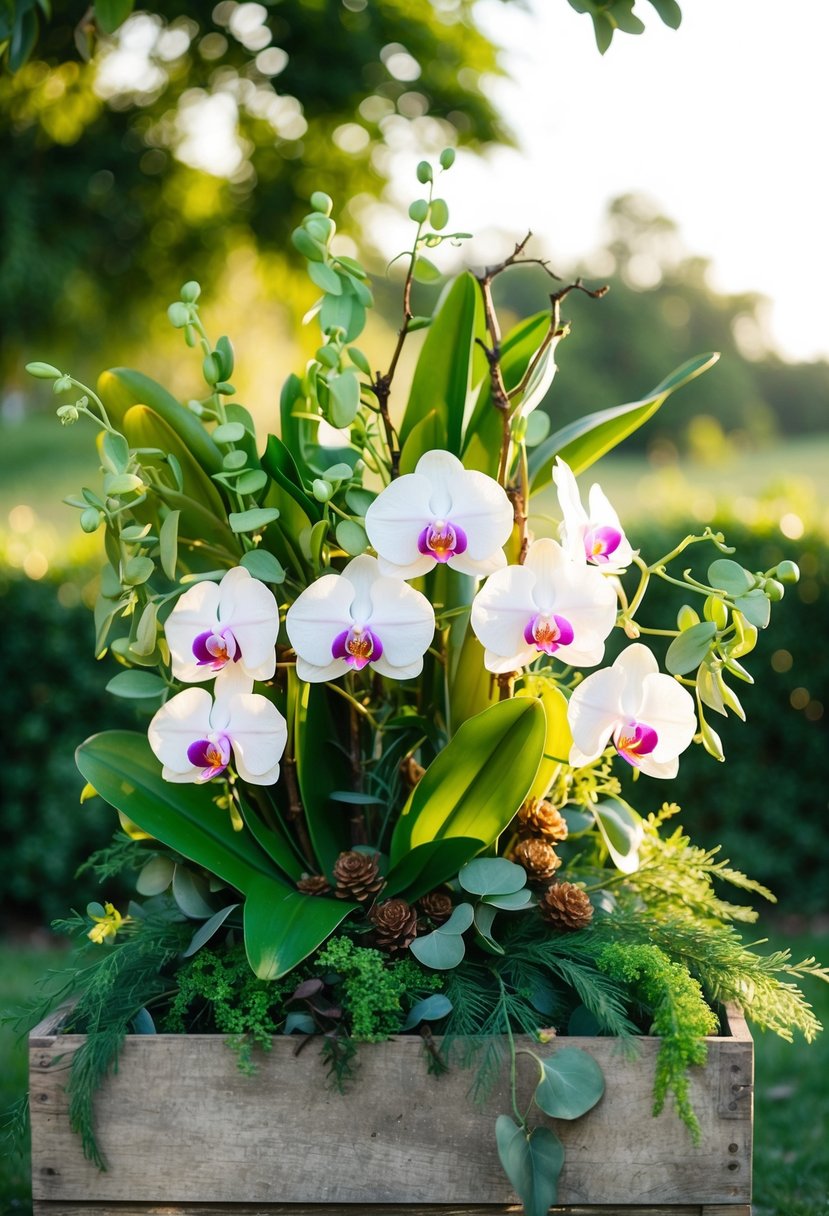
(186, 1134)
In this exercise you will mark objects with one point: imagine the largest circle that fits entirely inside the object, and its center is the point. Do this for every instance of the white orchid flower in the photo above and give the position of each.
(229, 626)
(196, 738)
(595, 536)
(550, 605)
(343, 622)
(648, 716)
(441, 513)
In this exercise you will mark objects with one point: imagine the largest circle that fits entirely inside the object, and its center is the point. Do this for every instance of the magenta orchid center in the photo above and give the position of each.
(548, 632)
(442, 540)
(634, 741)
(358, 645)
(216, 649)
(601, 543)
(211, 755)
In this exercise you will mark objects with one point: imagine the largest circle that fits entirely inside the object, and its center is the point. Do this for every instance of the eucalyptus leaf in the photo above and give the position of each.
(532, 1163)
(690, 648)
(571, 1085)
(622, 832)
(484, 917)
(441, 952)
(755, 607)
(430, 1009)
(155, 876)
(208, 930)
(325, 277)
(492, 876)
(513, 902)
(137, 685)
(168, 543)
(146, 633)
(730, 577)
(228, 432)
(351, 537)
(263, 565)
(251, 481)
(344, 398)
(190, 892)
(253, 520)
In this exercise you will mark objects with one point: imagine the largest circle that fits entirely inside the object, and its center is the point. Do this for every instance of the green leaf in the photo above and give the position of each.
(253, 520)
(428, 434)
(109, 14)
(428, 865)
(155, 876)
(755, 607)
(251, 481)
(512, 902)
(228, 432)
(479, 780)
(343, 312)
(115, 452)
(558, 737)
(325, 277)
(581, 443)
(262, 565)
(190, 892)
(426, 271)
(282, 927)
(438, 213)
(669, 11)
(210, 927)
(484, 919)
(492, 876)
(146, 635)
(137, 570)
(343, 398)
(430, 1009)
(532, 1163)
(273, 840)
(168, 543)
(124, 771)
(122, 483)
(137, 685)
(120, 388)
(622, 832)
(441, 952)
(538, 428)
(571, 1085)
(351, 536)
(322, 767)
(443, 373)
(730, 577)
(688, 650)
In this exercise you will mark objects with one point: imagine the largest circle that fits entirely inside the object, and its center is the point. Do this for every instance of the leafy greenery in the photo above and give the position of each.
(374, 993)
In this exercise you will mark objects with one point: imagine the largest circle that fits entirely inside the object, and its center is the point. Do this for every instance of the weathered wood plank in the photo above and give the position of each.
(179, 1125)
(57, 1208)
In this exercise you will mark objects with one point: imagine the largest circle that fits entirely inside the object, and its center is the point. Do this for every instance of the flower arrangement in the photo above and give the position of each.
(380, 788)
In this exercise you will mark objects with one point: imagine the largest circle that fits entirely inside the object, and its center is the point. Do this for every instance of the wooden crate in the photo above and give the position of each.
(184, 1133)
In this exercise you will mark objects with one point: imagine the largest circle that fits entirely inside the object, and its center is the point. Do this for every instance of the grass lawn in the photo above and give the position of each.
(791, 1150)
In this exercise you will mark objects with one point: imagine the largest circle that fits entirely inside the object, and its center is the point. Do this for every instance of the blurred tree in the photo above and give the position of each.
(200, 125)
(661, 310)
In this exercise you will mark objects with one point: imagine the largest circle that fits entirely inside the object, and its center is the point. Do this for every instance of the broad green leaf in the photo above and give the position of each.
(273, 841)
(168, 543)
(581, 443)
(484, 919)
(282, 927)
(622, 832)
(343, 398)
(688, 650)
(253, 520)
(492, 876)
(479, 780)
(120, 388)
(351, 537)
(110, 14)
(428, 865)
(532, 1163)
(558, 739)
(126, 774)
(571, 1085)
(430, 1009)
(425, 436)
(322, 767)
(471, 687)
(441, 952)
(137, 685)
(755, 607)
(263, 565)
(155, 876)
(443, 373)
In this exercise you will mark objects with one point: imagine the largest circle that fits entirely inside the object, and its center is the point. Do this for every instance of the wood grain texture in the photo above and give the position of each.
(57, 1208)
(179, 1125)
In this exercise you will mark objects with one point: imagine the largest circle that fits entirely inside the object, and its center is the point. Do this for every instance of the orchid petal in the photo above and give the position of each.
(249, 608)
(501, 611)
(593, 713)
(259, 733)
(499, 664)
(403, 619)
(635, 663)
(316, 617)
(313, 673)
(669, 709)
(569, 498)
(655, 768)
(179, 722)
(396, 518)
(196, 611)
(481, 507)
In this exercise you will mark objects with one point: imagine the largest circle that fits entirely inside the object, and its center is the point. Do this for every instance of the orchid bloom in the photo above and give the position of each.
(343, 622)
(195, 737)
(551, 605)
(229, 626)
(441, 513)
(647, 716)
(596, 536)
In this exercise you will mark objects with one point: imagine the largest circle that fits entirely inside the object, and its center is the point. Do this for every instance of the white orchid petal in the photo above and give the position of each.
(595, 710)
(180, 721)
(362, 572)
(481, 507)
(569, 498)
(403, 619)
(230, 681)
(415, 569)
(502, 610)
(396, 518)
(248, 608)
(406, 671)
(603, 515)
(317, 674)
(586, 651)
(483, 568)
(197, 611)
(319, 613)
(258, 732)
(635, 663)
(655, 768)
(443, 472)
(498, 664)
(669, 709)
(579, 759)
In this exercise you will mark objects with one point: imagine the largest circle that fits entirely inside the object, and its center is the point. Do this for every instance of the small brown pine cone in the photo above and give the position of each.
(411, 771)
(541, 818)
(395, 923)
(566, 906)
(314, 884)
(437, 905)
(538, 858)
(356, 875)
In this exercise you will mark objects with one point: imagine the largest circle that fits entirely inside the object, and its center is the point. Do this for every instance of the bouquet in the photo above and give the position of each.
(393, 671)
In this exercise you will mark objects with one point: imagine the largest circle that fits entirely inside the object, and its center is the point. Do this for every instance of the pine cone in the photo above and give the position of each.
(411, 771)
(437, 905)
(314, 884)
(396, 924)
(541, 818)
(566, 906)
(538, 858)
(356, 875)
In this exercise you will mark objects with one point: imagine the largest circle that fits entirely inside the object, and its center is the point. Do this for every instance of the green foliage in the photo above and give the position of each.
(681, 1018)
(374, 992)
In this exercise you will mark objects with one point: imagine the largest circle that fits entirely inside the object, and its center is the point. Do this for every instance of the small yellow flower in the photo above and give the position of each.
(106, 926)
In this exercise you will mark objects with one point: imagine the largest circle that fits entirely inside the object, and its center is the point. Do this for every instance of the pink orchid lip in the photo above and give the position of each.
(212, 755)
(358, 645)
(548, 633)
(442, 540)
(634, 741)
(216, 649)
(601, 543)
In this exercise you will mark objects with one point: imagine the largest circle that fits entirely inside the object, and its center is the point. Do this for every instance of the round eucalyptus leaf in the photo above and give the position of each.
(492, 876)
(263, 565)
(155, 876)
(430, 1009)
(438, 950)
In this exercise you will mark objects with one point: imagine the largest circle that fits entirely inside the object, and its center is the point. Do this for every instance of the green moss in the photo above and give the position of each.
(373, 988)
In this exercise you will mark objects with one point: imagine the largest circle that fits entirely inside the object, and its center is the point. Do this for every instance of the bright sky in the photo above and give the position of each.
(722, 123)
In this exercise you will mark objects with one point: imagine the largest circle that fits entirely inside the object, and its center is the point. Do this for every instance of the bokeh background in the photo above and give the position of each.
(683, 167)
